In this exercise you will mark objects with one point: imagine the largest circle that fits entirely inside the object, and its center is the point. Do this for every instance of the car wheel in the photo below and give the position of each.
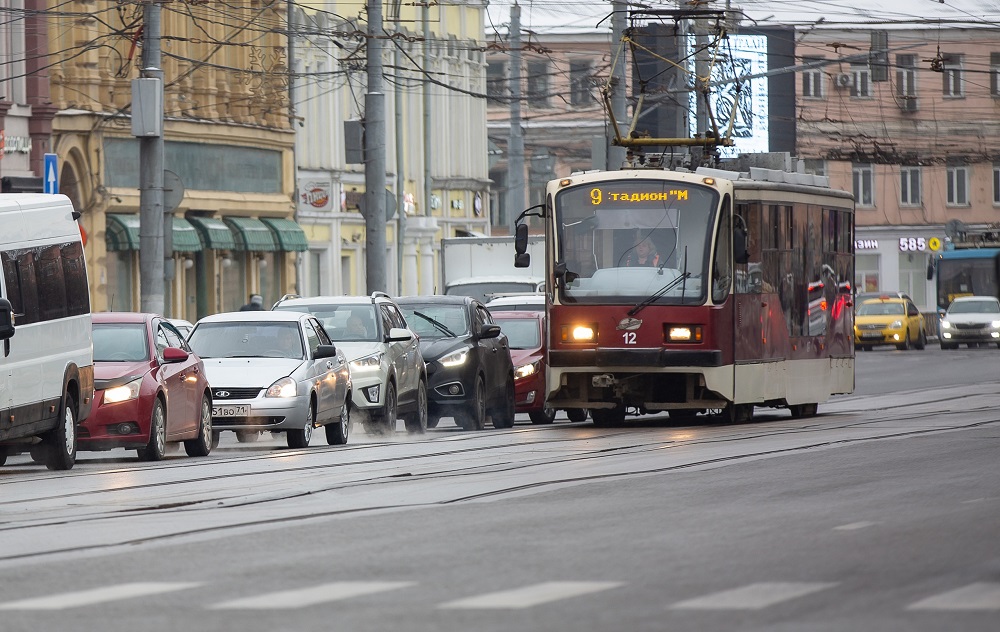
(803, 410)
(300, 438)
(156, 447)
(576, 414)
(247, 436)
(433, 421)
(474, 416)
(337, 432)
(903, 346)
(921, 341)
(608, 417)
(216, 437)
(543, 416)
(503, 415)
(389, 414)
(203, 443)
(416, 422)
(58, 448)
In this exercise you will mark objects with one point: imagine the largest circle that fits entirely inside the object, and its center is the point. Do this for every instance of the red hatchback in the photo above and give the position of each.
(150, 389)
(525, 332)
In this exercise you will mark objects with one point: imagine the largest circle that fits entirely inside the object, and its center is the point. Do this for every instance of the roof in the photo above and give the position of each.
(327, 300)
(543, 17)
(121, 317)
(435, 299)
(965, 299)
(884, 299)
(249, 317)
(513, 314)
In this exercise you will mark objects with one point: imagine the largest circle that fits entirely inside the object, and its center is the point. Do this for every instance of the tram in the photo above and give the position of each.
(746, 302)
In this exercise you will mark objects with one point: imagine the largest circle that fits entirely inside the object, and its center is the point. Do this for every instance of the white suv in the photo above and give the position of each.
(387, 369)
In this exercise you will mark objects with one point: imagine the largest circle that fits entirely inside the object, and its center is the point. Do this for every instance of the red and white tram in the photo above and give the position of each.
(741, 296)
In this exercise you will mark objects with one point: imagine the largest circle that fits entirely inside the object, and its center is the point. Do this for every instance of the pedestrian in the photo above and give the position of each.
(256, 304)
(645, 254)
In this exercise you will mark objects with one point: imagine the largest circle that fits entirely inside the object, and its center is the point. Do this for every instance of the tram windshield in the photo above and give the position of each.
(626, 241)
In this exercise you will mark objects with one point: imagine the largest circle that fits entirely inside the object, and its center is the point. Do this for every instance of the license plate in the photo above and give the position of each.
(241, 410)
(871, 336)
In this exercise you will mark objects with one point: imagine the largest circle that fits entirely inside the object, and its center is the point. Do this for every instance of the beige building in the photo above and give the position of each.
(918, 148)
(227, 138)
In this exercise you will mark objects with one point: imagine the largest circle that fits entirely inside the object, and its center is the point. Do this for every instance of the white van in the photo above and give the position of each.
(47, 354)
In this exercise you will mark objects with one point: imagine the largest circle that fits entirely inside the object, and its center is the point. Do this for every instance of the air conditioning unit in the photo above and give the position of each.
(843, 80)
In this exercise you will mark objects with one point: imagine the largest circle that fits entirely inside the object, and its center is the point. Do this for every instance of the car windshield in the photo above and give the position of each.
(975, 307)
(436, 321)
(241, 339)
(881, 309)
(522, 333)
(486, 290)
(119, 342)
(343, 323)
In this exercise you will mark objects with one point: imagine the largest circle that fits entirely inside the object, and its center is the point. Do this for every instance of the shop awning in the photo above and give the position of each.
(214, 233)
(122, 232)
(251, 234)
(288, 234)
(185, 236)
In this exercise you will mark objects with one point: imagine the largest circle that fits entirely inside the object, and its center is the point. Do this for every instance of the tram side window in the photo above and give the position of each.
(749, 276)
(722, 274)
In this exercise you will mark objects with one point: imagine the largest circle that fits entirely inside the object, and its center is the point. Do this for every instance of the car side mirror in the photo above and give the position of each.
(325, 351)
(489, 331)
(172, 355)
(521, 257)
(6, 319)
(398, 334)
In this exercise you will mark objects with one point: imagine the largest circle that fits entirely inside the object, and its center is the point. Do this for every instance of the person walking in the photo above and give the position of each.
(256, 304)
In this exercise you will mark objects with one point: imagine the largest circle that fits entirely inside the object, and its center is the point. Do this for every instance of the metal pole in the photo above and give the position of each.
(400, 179)
(515, 143)
(375, 156)
(616, 155)
(152, 220)
(428, 153)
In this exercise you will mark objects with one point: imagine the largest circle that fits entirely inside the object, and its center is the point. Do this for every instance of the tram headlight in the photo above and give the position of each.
(682, 333)
(580, 332)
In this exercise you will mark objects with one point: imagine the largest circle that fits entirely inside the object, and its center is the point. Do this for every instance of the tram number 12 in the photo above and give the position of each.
(629, 337)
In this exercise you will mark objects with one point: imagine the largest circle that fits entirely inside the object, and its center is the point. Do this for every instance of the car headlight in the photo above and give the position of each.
(455, 358)
(525, 370)
(285, 387)
(896, 324)
(123, 393)
(367, 363)
(995, 324)
(945, 324)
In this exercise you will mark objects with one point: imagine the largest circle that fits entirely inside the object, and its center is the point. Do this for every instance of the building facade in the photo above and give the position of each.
(437, 184)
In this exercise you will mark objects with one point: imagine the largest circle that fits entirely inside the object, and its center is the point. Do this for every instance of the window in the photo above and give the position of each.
(906, 82)
(995, 74)
(913, 276)
(47, 282)
(538, 83)
(812, 78)
(496, 82)
(952, 76)
(958, 186)
(816, 167)
(580, 83)
(864, 184)
(996, 183)
(866, 273)
(862, 85)
(909, 186)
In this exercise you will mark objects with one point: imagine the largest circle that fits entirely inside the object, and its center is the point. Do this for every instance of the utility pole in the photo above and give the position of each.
(375, 156)
(425, 16)
(400, 177)
(155, 227)
(702, 68)
(515, 143)
(616, 154)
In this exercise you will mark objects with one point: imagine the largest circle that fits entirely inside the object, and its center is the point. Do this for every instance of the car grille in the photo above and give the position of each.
(970, 325)
(247, 421)
(867, 327)
(223, 393)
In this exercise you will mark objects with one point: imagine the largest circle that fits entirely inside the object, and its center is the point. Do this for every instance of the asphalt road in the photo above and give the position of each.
(881, 513)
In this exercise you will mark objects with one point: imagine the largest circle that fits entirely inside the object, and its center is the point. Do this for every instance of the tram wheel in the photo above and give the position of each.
(803, 410)
(608, 417)
(737, 413)
(683, 414)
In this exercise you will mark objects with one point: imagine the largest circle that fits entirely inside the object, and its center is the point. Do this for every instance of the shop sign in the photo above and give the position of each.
(914, 244)
(866, 244)
(14, 144)
(316, 195)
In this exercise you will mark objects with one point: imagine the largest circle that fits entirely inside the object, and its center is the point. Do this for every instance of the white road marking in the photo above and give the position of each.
(529, 596)
(96, 596)
(979, 596)
(287, 599)
(854, 526)
(753, 596)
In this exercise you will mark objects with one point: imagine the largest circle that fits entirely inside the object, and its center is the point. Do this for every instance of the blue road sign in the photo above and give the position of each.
(50, 179)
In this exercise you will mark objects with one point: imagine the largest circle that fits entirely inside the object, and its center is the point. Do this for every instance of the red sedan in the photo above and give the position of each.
(525, 332)
(150, 389)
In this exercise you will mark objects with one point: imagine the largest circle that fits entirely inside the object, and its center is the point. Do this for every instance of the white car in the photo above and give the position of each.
(183, 326)
(387, 369)
(973, 320)
(274, 371)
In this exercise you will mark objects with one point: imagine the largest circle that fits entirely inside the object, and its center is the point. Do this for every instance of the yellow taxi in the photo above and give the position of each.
(889, 320)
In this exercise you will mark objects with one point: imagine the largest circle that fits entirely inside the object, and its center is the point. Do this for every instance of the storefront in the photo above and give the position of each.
(890, 259)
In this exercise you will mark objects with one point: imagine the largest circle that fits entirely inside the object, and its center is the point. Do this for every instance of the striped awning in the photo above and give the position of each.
(214, 233)
(251, 234)
(288, 234)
